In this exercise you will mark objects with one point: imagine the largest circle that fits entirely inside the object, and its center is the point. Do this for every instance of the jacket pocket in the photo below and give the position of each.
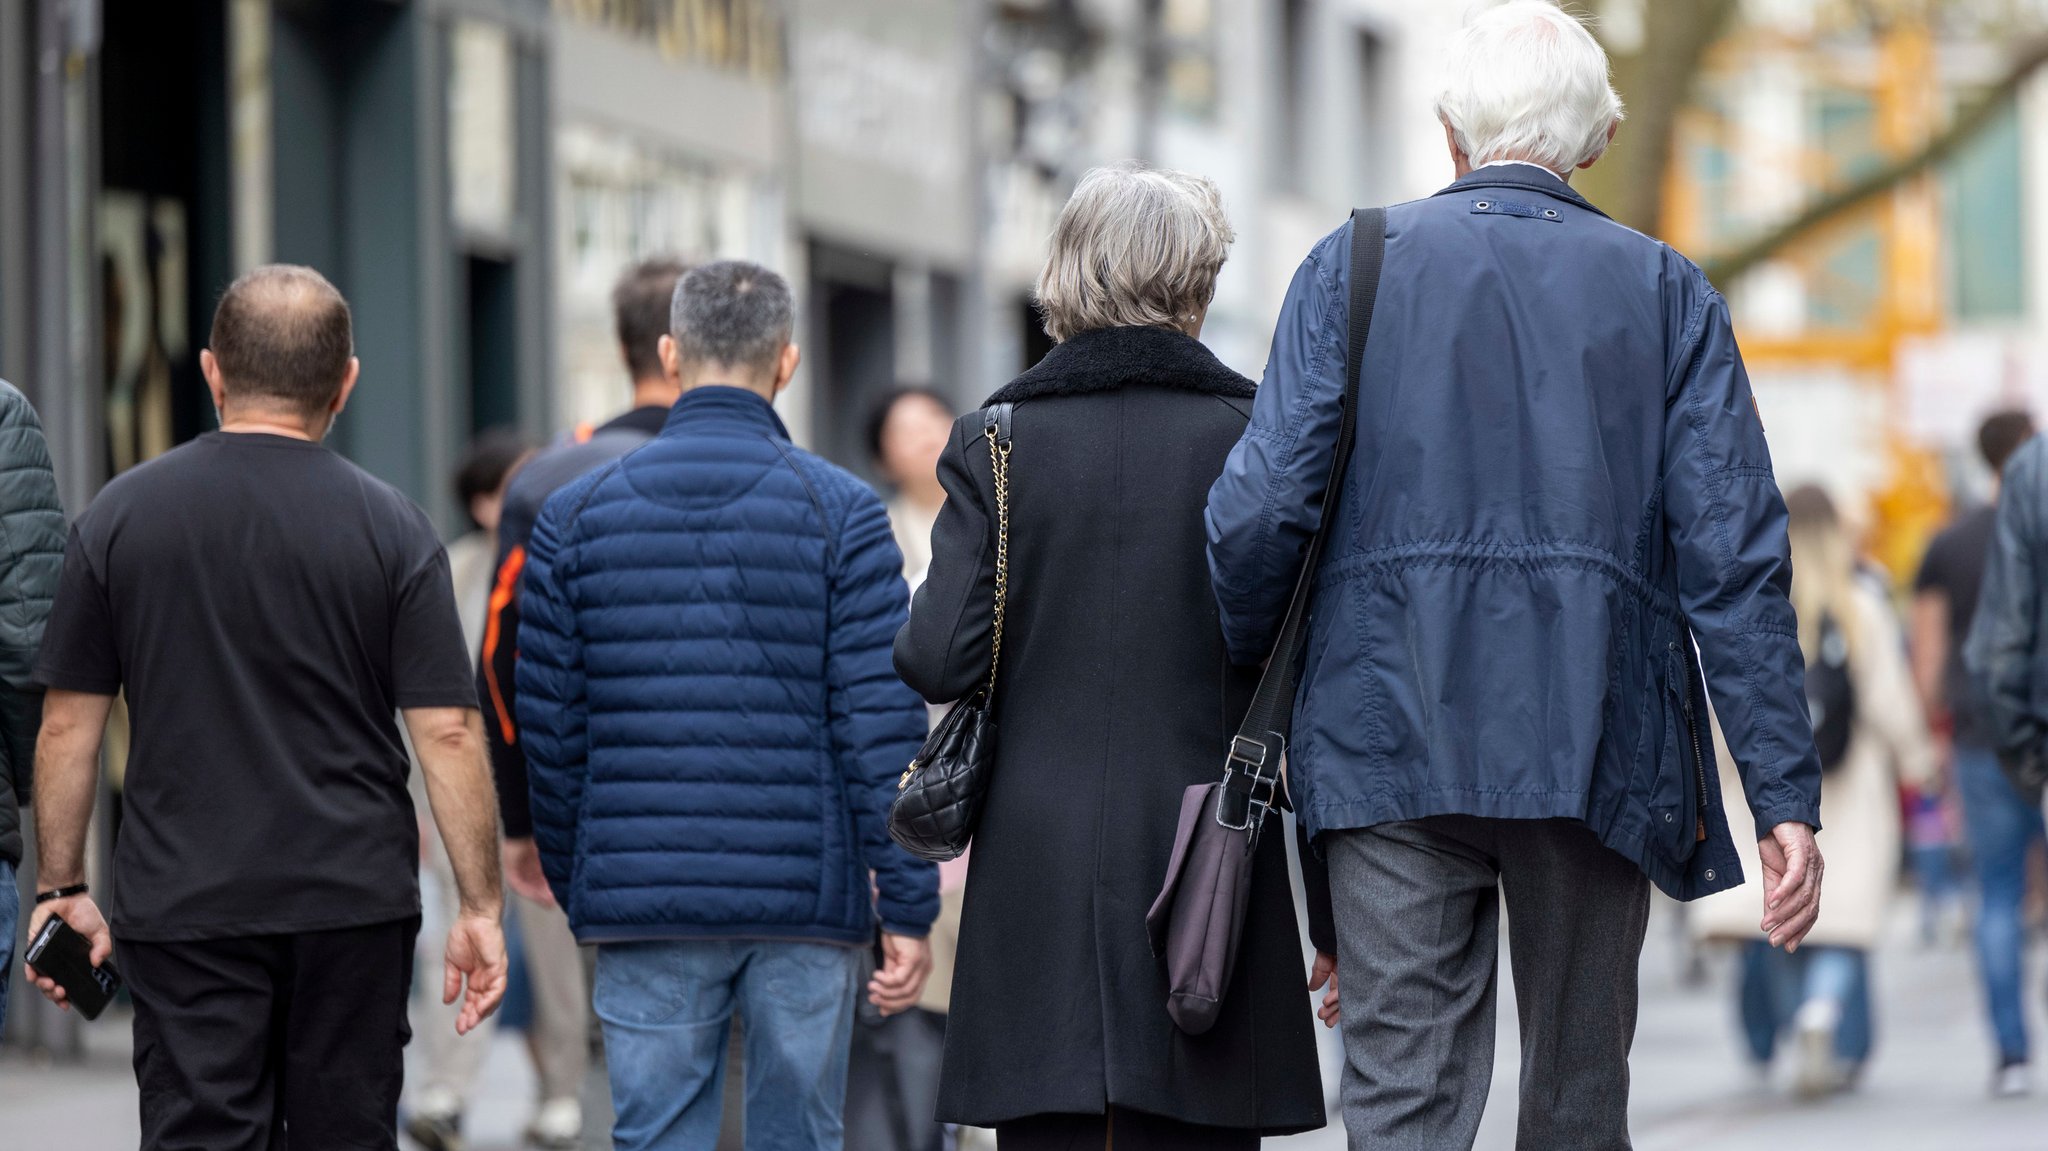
(1675, 795)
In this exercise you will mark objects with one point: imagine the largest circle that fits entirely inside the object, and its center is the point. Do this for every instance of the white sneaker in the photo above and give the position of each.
(557, 1126)
(1820, 1073)
(2011, 1082)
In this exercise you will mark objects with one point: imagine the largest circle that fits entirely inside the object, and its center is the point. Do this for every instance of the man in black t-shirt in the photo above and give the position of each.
(2001, 824)
(269, 609)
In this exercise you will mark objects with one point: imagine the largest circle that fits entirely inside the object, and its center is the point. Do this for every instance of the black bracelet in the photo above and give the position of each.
(57, 893)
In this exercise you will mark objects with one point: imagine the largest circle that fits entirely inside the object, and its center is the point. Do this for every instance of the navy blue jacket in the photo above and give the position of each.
(1560, 484)
(713, 727)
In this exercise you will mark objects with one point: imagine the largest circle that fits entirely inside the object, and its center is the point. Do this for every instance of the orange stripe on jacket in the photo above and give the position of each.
(501, 601)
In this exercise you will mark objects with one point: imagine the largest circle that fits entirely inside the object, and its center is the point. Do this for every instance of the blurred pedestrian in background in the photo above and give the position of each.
(561, 997)
(2008, 653)
(486, 472)
(1116, 694)
(449, 1063)
(1561, 486)
(907, 433)
(714, 737)
(1872, 736)
(893, 1076)
(269, 609)
(31, 559)
(2001, 826)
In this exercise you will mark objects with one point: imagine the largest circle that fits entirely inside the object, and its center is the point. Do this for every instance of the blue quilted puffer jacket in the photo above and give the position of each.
(712, 724)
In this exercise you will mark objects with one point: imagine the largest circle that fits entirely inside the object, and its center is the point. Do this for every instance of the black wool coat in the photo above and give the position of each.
(1115, 694)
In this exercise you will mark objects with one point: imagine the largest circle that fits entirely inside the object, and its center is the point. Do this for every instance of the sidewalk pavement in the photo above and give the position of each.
(1926, 1089)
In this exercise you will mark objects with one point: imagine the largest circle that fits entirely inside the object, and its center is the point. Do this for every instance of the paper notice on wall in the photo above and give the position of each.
(1950, 382)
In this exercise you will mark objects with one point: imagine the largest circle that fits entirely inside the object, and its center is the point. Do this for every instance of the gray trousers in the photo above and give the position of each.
(1418, 932)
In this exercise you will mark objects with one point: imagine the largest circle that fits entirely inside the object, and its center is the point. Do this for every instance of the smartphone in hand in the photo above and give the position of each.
(66, 956)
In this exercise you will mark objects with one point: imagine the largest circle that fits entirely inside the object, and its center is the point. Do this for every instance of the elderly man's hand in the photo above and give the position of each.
(1792, 870)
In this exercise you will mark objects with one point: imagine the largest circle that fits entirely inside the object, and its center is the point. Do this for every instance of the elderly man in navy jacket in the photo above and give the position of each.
(713, 734)
(1559, 537)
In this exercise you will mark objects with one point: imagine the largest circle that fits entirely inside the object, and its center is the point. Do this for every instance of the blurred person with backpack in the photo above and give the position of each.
(1867, 723)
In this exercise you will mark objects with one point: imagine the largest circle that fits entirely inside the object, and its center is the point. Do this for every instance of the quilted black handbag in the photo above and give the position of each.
(938, 800)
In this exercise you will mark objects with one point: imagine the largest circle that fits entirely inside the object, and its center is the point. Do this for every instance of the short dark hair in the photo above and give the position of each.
(283, 332)
(640, 303)
(491, 457)
(732, 312)
(2001, 434)
(878, 416)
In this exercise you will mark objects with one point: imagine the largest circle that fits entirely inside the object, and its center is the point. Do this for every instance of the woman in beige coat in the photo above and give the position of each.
(1822, 990)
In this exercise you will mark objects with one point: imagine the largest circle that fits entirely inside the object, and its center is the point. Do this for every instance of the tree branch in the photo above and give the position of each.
(1725, 269)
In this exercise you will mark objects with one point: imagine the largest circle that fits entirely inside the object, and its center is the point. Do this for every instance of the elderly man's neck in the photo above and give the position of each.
(1465, 167)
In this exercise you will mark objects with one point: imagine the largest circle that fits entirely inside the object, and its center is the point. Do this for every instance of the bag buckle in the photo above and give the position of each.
(1249, 794)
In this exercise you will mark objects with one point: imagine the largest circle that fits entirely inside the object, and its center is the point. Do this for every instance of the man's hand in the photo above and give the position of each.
(906, 964)
(1325, 971)
(1792, 869)
(476, 954)
(84, 917)
(523, 872)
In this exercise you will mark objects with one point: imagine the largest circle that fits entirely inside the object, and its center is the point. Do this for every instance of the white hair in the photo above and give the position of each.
(1526, 81)
(1134, 247)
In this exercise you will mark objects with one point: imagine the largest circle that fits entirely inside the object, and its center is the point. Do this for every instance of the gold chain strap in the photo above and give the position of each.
(999, 466)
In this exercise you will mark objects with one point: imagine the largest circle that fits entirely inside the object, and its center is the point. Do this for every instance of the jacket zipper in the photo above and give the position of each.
(1699, 762)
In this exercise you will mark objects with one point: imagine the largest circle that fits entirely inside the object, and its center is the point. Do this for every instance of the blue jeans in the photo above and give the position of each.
(667, 1007)
(2002, 827)
(1775, 985)
(10, 912)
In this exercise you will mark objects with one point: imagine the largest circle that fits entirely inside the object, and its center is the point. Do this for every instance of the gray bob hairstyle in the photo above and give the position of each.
(1135, 246)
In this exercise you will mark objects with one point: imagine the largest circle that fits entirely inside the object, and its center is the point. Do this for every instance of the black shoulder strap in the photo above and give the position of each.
(1251, 773)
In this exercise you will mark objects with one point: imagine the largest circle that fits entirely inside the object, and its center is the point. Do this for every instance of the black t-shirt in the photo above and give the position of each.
(267, 607)
(1954, 566)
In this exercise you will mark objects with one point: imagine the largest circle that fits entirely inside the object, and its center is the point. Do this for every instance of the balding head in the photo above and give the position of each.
(282, 340)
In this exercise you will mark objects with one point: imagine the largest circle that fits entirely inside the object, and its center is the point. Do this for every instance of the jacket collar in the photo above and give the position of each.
(1527, 177)
(1106, 359)
(722, 403)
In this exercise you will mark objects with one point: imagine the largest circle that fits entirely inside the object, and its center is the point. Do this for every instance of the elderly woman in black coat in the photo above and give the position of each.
(1115, 695)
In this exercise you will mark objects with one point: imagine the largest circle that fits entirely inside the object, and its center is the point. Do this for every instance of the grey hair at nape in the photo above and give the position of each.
(1134, 247)
(731, 312)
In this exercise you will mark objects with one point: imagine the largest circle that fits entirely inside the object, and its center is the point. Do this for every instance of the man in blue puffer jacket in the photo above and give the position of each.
(1559, 535)
(713, 734)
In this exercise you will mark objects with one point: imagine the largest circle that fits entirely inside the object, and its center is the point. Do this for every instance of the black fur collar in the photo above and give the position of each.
(1110, 358)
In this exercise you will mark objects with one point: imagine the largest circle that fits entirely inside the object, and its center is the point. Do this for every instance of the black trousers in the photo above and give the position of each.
(1418, 915)
(257, 1043)
(1119, 1130)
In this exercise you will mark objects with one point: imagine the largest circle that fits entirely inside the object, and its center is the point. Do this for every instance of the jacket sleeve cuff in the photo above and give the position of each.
(1770, 815)
(906, 930)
